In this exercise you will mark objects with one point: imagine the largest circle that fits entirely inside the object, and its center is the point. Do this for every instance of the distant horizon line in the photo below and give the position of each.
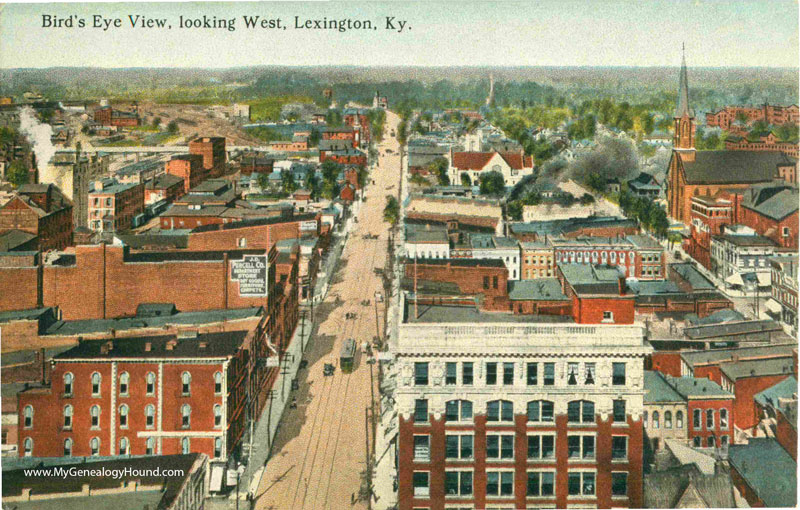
(401, 66)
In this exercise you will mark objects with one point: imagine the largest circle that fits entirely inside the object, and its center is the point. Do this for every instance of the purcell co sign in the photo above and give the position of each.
(251, 273)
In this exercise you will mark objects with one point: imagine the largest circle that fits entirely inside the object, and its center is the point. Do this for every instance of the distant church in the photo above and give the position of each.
(692, 173)
(380, 101)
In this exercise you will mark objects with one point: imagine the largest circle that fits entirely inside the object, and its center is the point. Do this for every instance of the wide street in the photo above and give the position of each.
(319, 458)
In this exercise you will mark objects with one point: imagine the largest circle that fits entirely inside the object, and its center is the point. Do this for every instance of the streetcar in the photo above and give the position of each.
(347, 356)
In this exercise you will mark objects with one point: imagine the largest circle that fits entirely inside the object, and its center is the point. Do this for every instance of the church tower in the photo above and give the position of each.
(683, 139)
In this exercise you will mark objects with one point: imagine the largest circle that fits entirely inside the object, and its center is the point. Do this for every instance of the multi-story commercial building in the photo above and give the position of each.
(73, 175)
(739, 257)
(107, 116)
(484, 246)
(113, 206)
(212, 150)
(427, 242)
(536, 260)
(543, 415)
(771, 211)
(771, 114)
(188, 167)
(638, 256)
(784, 290)
(40, 210)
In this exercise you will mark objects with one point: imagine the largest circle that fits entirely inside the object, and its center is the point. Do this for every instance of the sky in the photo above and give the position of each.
(541, 33)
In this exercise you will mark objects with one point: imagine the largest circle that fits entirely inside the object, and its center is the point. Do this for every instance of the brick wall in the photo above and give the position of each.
(488, 281)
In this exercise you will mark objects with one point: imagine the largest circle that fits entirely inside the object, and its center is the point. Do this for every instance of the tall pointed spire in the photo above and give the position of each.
(683, 108)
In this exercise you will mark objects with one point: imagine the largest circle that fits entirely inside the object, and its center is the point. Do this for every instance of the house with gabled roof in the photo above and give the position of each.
(512, 165)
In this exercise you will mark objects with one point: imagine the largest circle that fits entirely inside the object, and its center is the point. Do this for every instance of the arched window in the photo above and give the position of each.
(709, 419)
(656, 420)
(723, 419)
(613, 257)
(186, 383)
(217, 447)
(150, 382)
(95, 415)
(123, 416)
(458, 410)
(540, 411)
(123, 446)
(218, 383)
(185, 445)
(28, 417)
(603, 257)
(500, 410)
(622, 257)
(217, 415)
(644, 419)
(96, 384)
(586, 257)
(27, 447)
(94, 446)
(149, 416)
(67, 416)
(580, 411)
(710, 441)
(679, 420)
(594, 257)
(150, 446)
(68, 378)
(186, 413)
(667, 419)
(68, 447)
(697, 441)
(124, 379)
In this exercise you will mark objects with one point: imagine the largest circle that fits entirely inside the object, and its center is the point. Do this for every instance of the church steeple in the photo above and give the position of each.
(684, 115)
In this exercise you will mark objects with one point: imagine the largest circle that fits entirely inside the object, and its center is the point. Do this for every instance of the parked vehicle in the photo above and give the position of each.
(347, 355)
(295, 384)
(328, 369)
(303, 364)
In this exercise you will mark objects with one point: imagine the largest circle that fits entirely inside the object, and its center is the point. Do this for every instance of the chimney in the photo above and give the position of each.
(98, 185)
(107, 347)
(148, 347)
(171, 344)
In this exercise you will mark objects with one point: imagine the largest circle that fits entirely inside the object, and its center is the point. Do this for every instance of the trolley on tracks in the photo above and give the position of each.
(347, 356)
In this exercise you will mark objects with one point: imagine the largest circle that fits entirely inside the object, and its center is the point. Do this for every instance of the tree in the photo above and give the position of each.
(492, 183)
(586, 199)
(465, 179)
(438, 167)
(263, 181)
(330, 171)
(17, 173)
(515, 210)
(391, 212)
(419, 180)
(287, 181)
(313, 138)
(172, 127)
(156, 122)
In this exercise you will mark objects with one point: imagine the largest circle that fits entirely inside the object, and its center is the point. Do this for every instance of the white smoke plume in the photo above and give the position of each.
(38, 135)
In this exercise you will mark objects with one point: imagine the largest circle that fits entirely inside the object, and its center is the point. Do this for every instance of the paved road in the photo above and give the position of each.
(320, 450)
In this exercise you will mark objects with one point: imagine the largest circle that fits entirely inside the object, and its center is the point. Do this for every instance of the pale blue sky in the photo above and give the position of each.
(543, 32)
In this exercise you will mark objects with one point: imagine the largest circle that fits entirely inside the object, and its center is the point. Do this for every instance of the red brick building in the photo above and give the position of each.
(156, 395)
(344, 157)
(357, 118)
(342, 133)
(639, 256)
(41, 210)
(108, 116)
(771, 114)
(598, 294)
(771, 210)
(165, 187)
(212, 149)
(188, 167)
(114, 206)
(765, 143)
(485, 280)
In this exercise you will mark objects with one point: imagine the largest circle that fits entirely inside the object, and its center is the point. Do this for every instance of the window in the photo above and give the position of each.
(580, 447)
(150, 446)
(420, 374)
(422, 447)
(217, 447)
(486, 282)
(618, 374)
(421, 483)
(500, 410)
(94, 446)
(451, 373)
(94, 412)
(185, 445)
(123, 384)
(710, 441)
(541, 446)
(709, 419)
(28, 417)
(494, 282)
(608, 316)
(572, 374)
(580, 411)
(68, 378)
(149, 416)
(540, 411)
(549, 374)
(242, 242)
(123, 446)
(532, 374)
(95, 384)
(590, 373)
(619, 411)
(667, 419)
(645, 421)
(420, 410)
(458, 446)
(218, 383)
(541, 483)
(499, 446)
(723, 440)
(466, 373)
(491, 373)
(656, 420)
(785, 231)
(679, 420)
(499, 483)
(581, 483)
(27, 447)
(67, 416)
(123, 416)
(186, 383)
(723, 419)
(619, 447)
(458, 483)
(619, 484)
(150, 381)
(186, 413)
(508, 374)
(68, 447)
(697, 418)
(458, 410)
(217, 415)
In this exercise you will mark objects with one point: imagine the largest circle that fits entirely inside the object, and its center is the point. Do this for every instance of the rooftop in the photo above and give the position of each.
(204, 345)
(541, 289)
(657, 390)
(786, 389)
(695, 278)
(467, 314)
(768, 469)
(757, 368)
(775, 201)
(734, 167)
(714, 356)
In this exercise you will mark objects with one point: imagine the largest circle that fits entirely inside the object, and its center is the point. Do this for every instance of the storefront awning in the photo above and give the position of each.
(773, 306)
(734, 279)
(217, 473)
(764, 279)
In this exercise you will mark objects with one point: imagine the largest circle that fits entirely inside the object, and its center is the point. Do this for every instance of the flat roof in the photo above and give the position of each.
(540, 289)
(439, 313)
(693, 358)
(204, 345)
(768, 469)
(757, 367)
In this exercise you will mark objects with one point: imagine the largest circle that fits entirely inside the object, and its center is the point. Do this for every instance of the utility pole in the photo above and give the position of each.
(416, 298)
(377, 322)
(368, 464)
(372, 399)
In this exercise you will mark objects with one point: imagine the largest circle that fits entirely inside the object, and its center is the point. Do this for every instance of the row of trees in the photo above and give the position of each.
(649, 214)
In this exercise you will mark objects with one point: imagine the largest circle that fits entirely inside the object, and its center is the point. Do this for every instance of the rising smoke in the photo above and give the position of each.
(38, 135)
